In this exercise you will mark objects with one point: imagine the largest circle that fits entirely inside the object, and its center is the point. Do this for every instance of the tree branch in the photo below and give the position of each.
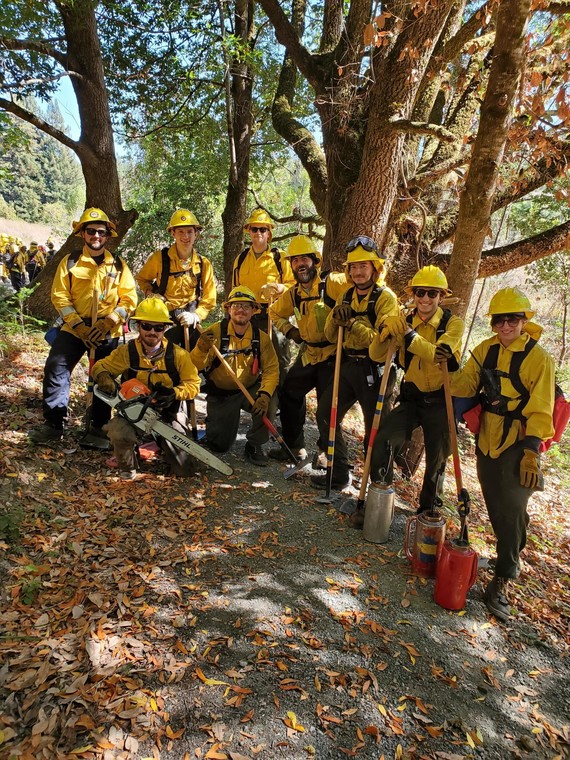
(35, 46)
(522, 252)
(423, 179)
(422, 128)
(288, 37)
(57, 134)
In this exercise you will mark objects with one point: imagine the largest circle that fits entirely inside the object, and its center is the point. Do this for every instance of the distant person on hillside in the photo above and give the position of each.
(93, 279)
(17, 266)
(181, 277)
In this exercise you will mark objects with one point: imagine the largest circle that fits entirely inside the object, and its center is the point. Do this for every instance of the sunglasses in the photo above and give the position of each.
(511, 320)
(364, 242)
(241, 305)
(258, 229)
(151, 326)
(92, 232)
(431, 293)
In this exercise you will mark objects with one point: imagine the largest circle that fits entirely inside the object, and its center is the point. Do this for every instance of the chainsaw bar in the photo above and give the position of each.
(143, 417)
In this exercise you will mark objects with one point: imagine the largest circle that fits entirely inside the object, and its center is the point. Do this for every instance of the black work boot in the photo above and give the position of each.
(279, 453)
(495, 598)
(45, 434)
(256, 455)
(340, 480)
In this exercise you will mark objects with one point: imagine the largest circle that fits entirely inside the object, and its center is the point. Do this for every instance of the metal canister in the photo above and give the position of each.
(423, 542)
(379, 513)
(456, 573)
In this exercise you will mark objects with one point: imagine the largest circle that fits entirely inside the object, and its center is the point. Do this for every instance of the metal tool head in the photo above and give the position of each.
(349, 506)
(295, 468)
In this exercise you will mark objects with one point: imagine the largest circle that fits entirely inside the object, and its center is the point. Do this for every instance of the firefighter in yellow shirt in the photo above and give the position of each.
(182, 277)
(309, 302)
(267, 272)
(515, 378)
(164, 368)
(250, 353)
(424, 337)
(359, 311)
(79, 277)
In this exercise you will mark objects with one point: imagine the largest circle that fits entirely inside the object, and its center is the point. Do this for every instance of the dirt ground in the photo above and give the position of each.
(236, 617)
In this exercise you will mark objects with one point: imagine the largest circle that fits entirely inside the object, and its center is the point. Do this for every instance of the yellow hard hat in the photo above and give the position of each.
(13, 248)
(152, 309)
(241, 294)
(259, 216)
(428, 277)
(302, 245)
(183, 218)
(94, 215)
(510, 301)
(33, 244)
(362, 248)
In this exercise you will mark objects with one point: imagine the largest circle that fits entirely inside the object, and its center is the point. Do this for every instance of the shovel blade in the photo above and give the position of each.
(349, 506)
(294, 469)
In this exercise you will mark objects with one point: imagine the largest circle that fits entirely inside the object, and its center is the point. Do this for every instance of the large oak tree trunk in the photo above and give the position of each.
(496, 113)
(239, 109)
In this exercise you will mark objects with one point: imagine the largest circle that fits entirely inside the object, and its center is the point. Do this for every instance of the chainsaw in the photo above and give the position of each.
(136, 407)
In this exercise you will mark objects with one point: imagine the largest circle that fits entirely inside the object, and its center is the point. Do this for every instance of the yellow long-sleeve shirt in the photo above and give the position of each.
(154, 370)
(361, 333)
(242, 364)
(182, 281)
(72, 290)
(310, 315)
(537, 374)
(422, 371)
(257, 271)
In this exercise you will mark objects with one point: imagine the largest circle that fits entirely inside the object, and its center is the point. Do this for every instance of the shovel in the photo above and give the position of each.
(463, 499)
(352, 505)
(299, 464)
(326, 499)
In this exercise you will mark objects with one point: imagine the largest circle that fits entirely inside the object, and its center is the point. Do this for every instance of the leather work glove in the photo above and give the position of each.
(106, 383)
(189, 319)
(295, 335)
(443, 353)
(271, 290)
(342, 314)
(261, 404)
(99, 330)
(531, 476)
(393, 326)
(206, 341)
(164, 396)
(83, 332)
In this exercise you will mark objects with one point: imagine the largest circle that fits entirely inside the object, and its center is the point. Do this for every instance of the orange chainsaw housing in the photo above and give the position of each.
(133, 388)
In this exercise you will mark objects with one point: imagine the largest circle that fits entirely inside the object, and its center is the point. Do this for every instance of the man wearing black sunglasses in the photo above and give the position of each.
(89, 281)
(426, 337)
(360, 310)
(164, 368)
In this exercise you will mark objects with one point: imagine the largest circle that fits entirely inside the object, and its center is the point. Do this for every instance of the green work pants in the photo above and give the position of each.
(506, 501)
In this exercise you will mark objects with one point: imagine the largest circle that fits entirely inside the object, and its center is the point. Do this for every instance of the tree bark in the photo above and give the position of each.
(496, 113)
(239, 136)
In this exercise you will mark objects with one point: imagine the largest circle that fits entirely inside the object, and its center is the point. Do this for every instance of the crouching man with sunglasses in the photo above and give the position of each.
(515, 379)
(164, 368)
(426, 337)
(94, 294)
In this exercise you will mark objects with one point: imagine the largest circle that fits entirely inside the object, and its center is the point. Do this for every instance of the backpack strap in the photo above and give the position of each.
(241, 258)
(135, 366)
(499, 405)
(298, 299)
(165, 274)
(73, 258)
(254, 348)
(439, 331)
(375, 294)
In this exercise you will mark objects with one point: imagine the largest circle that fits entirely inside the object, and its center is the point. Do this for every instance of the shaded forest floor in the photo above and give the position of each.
(232, 618)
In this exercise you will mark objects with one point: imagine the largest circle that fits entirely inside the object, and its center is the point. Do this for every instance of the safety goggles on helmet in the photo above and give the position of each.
(363, 241)
(154, 326)
(498, 320)
(430, 292)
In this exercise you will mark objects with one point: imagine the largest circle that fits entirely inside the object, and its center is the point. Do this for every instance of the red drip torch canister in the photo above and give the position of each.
(423, 544)
(456, 573)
